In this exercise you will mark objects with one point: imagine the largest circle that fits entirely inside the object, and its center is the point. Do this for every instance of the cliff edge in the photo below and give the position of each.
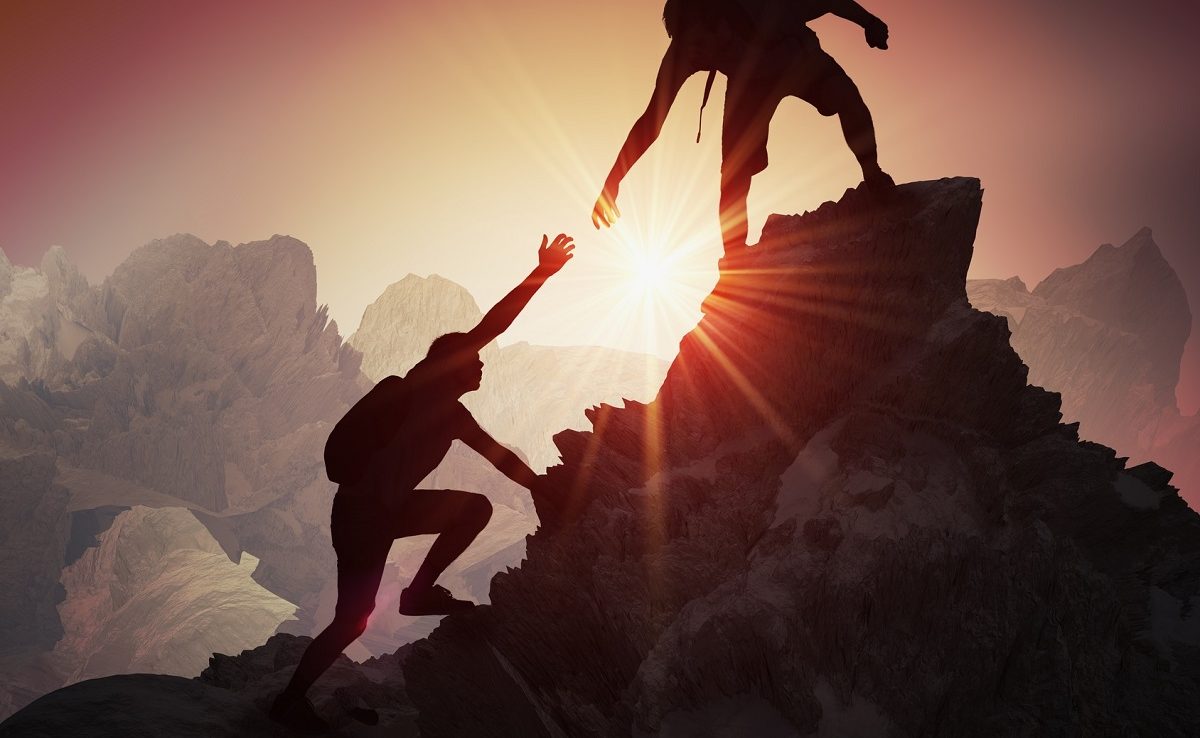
(845, 513)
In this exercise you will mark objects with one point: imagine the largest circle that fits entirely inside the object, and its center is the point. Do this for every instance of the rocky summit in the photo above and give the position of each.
(846, 513)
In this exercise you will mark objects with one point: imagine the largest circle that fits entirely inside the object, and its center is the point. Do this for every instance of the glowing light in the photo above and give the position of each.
(651, 274)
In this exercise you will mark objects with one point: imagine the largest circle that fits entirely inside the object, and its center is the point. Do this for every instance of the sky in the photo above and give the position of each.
(434, 137)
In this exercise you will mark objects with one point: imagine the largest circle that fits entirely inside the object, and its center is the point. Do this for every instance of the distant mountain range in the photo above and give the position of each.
(175, 415)
(1108, 335)
(858, 520)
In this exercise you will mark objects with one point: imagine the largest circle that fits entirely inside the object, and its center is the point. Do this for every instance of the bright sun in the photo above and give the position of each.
(651, 274)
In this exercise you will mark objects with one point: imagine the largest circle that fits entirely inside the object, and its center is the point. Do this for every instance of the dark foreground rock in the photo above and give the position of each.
(846, 513)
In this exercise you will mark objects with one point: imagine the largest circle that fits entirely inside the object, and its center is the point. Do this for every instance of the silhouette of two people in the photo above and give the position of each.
(767, 52)
(381, 449)
(401, 430)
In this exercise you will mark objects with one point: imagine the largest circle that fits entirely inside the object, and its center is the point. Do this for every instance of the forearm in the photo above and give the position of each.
(503, 313)
(643, 133)
(851, 11)
(512, 467)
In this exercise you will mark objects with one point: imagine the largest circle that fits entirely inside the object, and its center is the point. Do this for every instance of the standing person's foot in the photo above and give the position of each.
(735, 256)
(436, 600)
(296, 712)
(879, 183)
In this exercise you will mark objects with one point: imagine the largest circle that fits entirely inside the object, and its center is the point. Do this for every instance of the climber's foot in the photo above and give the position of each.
(879, 183)
(296, 713)
(433, 601)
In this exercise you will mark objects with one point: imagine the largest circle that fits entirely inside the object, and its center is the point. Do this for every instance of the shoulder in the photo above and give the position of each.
(462, 414)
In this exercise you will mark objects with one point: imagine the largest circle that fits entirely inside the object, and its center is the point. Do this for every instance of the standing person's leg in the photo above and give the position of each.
(457, 517)
(735, 227)
(834, 93)
(751, 98)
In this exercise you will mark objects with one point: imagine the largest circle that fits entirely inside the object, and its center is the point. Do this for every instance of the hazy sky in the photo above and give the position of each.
(436, 137)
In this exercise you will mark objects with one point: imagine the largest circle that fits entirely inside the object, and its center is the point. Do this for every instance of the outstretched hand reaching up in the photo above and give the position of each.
(552, 256)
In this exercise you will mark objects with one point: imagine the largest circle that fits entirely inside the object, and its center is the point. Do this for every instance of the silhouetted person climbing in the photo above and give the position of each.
(378, 453)
(767, 52)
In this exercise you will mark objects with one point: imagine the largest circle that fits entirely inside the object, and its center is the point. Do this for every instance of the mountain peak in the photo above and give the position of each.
(846, 504)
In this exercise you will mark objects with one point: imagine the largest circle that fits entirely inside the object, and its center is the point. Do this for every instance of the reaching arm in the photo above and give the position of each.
(672, 73)
(876, 29)
(500, 457)
(551, 258)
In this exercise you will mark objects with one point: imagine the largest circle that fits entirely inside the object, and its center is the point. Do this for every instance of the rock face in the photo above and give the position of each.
(158, 594)
(199, 377)
(1108, 334)
(846, 513)
(202, 380)
(34, 527)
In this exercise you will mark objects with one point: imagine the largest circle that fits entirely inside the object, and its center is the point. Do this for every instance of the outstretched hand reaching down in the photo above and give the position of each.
(605, 211)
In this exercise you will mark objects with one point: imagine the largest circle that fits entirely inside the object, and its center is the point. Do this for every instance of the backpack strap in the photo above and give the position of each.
(712, 75)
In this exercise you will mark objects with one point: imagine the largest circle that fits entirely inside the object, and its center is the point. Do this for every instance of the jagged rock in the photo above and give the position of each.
(845, 508)
(530, 392)
(1109, 334)
(846, 512)
(35, 525)
(398, 327)
(158, 594)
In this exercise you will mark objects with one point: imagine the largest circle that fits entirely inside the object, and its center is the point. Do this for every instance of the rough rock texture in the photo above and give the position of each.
(196, 376)
(34, 527)
(398, 327)
(33, 512)
(205, 377)
(157, 594)
(1108, 334)
(846, 513)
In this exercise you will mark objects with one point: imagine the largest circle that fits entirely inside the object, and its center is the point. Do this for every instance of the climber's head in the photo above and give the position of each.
(453, 362)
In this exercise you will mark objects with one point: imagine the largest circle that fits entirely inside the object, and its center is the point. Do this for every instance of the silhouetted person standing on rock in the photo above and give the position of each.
(378, 453)
(767, 52)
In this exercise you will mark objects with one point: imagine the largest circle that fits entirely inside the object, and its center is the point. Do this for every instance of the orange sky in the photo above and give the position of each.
(446, 137)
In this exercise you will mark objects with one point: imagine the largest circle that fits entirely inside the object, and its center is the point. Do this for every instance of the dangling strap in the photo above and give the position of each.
(712, 74)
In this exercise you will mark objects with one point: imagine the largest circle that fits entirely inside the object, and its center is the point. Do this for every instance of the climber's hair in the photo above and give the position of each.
(447, 346)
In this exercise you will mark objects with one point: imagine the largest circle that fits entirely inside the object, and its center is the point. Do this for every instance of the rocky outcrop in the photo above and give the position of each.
(197, 376)
(847, 512)
(1109, 334)
(158, 594)
(35, 525)
(205, 378)
(398, 327)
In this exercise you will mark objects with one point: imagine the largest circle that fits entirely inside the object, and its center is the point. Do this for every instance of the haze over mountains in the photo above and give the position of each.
(161, 442)
(1109, 334)
(854, 520)
(161, 434)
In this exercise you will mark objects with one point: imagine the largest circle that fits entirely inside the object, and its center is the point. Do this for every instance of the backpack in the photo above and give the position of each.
(364, 430)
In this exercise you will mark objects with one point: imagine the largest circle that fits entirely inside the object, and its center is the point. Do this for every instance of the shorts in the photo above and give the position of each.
(364, 525)
(795, 67)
